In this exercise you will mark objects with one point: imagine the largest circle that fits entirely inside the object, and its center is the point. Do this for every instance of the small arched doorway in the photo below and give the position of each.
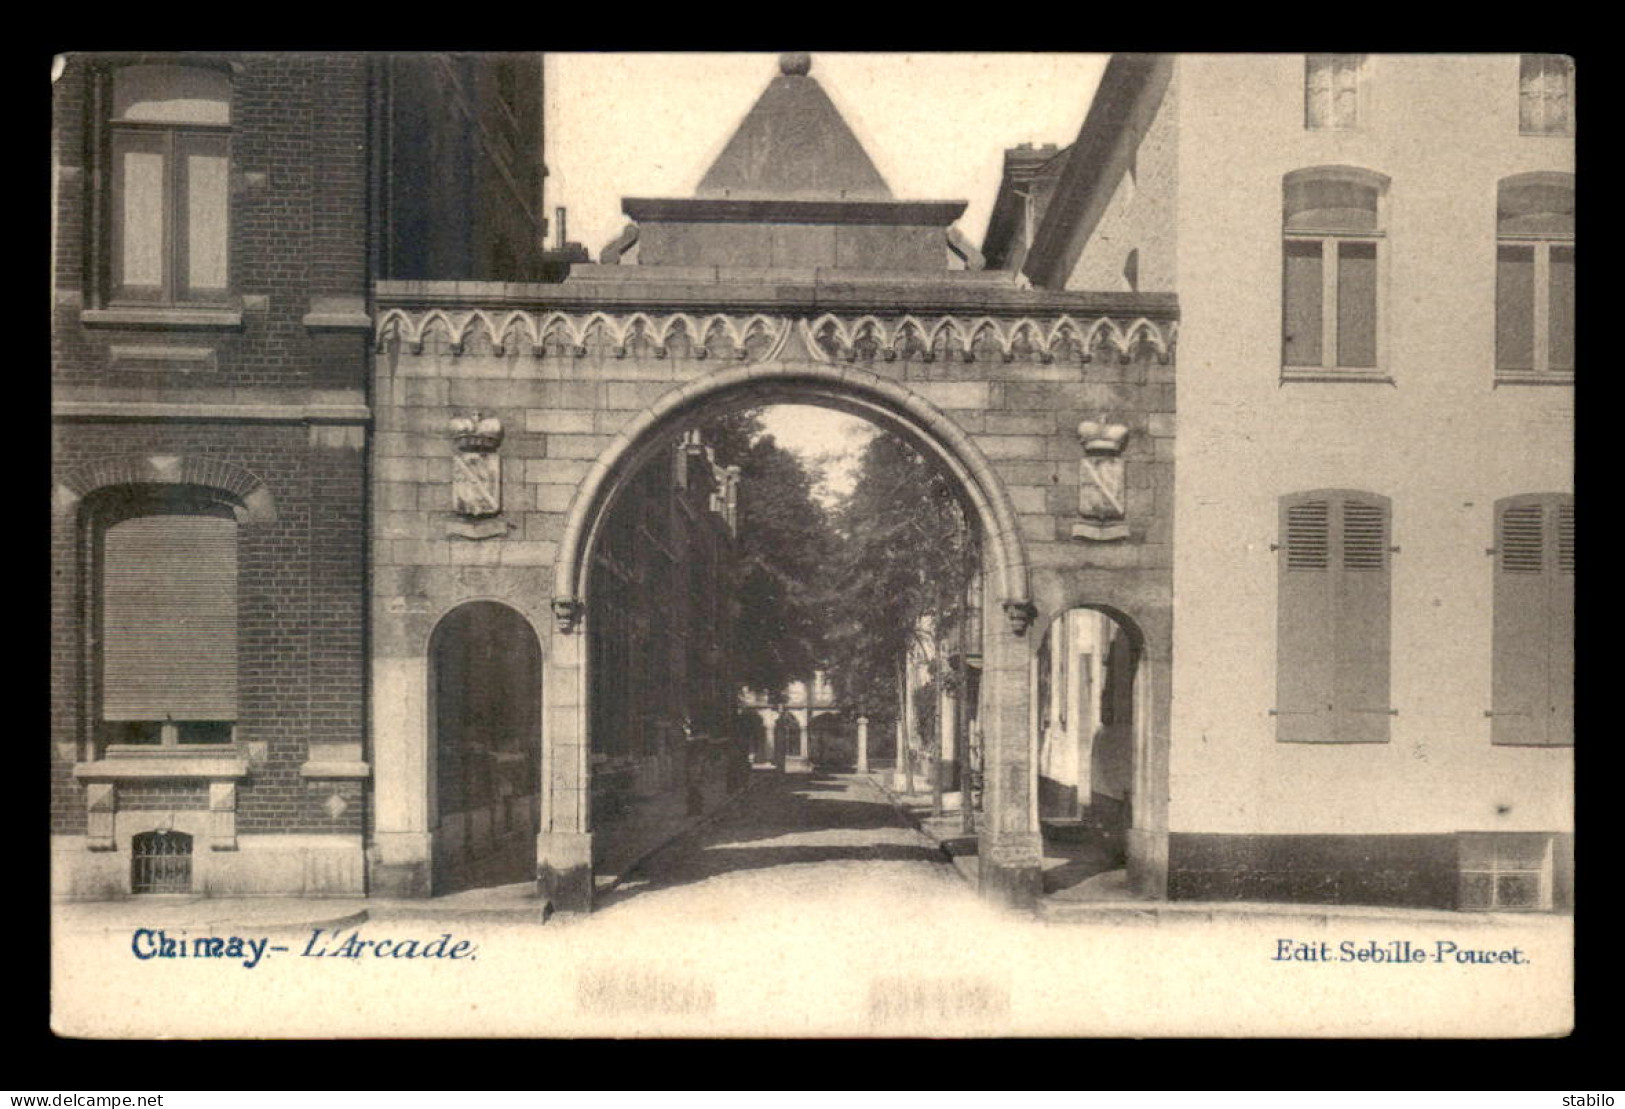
(786, 737)
(753, 733)
(832, 740)
(485, 690)
(1087, 701)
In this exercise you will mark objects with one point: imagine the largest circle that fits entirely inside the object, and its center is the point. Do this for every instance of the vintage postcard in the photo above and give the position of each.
(952, 545)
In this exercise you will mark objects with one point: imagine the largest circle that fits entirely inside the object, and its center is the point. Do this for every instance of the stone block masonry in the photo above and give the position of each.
(586, 380)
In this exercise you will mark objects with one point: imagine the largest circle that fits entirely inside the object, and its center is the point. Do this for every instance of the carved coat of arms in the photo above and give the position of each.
(476, 472)
(1101, 488)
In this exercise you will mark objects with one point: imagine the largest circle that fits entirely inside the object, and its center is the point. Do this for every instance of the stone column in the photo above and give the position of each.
(564, 846)
(1010, 848)
(863, 745)
(401, 854)
(797, 762)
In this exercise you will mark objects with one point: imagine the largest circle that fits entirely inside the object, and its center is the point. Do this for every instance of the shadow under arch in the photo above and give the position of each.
(858, 392)
(485, 745)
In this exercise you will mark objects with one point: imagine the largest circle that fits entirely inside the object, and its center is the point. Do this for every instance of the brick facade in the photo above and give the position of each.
(264, 399)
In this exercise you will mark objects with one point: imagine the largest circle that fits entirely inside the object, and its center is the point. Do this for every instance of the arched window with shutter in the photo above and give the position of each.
(1332, 641)
(165, 570)
(1533, 669)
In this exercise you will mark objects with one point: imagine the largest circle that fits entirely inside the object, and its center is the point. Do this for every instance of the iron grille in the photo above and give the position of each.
(161, 862)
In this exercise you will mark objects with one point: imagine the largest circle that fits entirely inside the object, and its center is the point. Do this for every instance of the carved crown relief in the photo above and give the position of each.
(476, 476)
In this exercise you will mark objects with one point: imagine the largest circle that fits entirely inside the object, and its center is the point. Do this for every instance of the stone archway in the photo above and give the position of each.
(1010, 839)
(832, 741)
(788, 736)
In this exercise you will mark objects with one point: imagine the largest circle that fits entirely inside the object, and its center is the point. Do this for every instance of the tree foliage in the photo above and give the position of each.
(900, 573)
(785, 541)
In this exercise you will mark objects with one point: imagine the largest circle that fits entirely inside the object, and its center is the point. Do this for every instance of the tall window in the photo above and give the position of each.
(1330, 269)
(165, 567)
(1545, 94)
(1534, 275)
(1332, 626)
(1533, 676)
(169, 144)
(1333, 87)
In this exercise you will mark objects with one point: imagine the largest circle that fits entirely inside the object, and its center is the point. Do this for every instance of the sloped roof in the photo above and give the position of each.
(793, 145)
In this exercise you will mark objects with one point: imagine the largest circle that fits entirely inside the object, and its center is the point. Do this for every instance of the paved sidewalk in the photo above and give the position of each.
(1104, 897)
(512, 903)
(781, 825)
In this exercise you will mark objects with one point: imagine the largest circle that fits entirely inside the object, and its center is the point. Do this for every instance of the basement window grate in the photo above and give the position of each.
(1505, 872)
(161, 862)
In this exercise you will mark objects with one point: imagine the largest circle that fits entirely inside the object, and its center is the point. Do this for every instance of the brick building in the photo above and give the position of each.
(219, 220)
(1373, 582)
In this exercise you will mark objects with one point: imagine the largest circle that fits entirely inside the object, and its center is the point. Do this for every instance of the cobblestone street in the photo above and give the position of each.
(802, 836)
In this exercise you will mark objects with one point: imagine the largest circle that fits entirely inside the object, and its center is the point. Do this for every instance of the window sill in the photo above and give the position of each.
(1308, 375)
(338, 769)
(1100, 533)
(1533, 379)
(188, 319)
(337, 321)
(122, 766)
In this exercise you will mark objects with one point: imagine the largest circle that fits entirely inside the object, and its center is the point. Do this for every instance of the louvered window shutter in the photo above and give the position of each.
(1561, 679)
(1533, 667)
(1360, 694)
(169, 619)
(1304, 659)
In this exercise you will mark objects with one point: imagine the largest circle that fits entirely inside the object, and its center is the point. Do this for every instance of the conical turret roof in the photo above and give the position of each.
(794, 145)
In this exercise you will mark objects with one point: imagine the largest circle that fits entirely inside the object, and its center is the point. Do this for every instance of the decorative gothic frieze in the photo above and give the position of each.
(476, 473)
(832, 337)
(1101, 487)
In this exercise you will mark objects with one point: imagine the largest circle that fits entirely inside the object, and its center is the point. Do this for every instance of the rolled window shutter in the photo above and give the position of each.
(1303, 665)
(1360, 696)
(1520, 704)
(169, 618)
